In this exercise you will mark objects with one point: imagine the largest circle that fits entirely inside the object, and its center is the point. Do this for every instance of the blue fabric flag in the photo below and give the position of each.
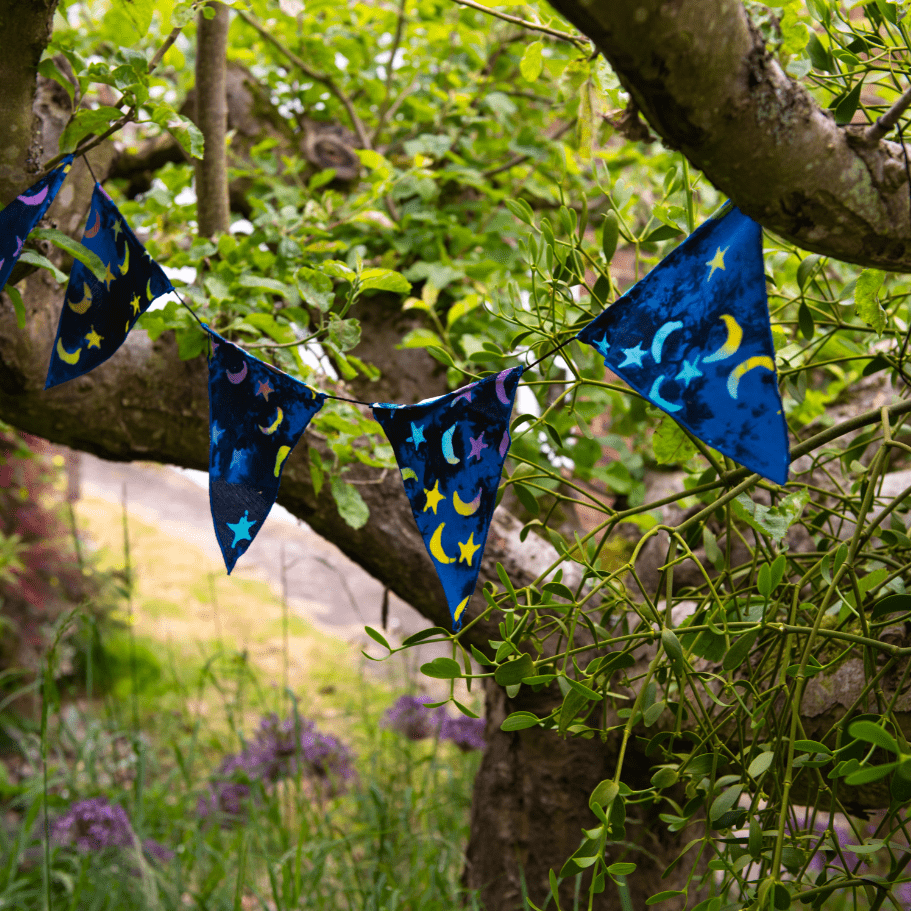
(693, 337)
(97, 315)
(256, 416)
(450, 451)
(23, 213)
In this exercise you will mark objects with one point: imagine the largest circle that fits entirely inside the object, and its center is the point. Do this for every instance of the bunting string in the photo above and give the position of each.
(693, 337)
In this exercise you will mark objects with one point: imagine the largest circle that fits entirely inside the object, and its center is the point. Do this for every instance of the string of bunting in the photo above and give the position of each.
(692, 337)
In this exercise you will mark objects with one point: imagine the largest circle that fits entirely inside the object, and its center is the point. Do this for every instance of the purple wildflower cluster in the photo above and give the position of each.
(95, 824)
(280, 749)
(409, 716)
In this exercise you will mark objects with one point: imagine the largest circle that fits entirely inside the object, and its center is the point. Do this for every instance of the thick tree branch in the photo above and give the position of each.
(704, 81)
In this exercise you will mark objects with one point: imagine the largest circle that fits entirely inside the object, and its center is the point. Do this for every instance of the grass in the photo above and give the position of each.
(201, 657)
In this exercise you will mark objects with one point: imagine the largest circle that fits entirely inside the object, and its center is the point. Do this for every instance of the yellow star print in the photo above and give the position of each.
(108, 276)
(467, 550)
(433, 498)
(717, 261)
(94, 339)
(135, 304)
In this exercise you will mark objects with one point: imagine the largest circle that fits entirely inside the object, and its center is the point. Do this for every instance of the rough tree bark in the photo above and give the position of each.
(145, 403)
(705, 82)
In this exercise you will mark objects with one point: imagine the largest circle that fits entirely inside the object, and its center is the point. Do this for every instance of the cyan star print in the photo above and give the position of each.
(23, 213)
(97, 315)
(256, 416)
(694, 338)
(450, 451)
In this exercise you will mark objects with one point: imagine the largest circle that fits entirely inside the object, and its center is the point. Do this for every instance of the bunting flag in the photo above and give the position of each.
(693, 337)
(256, 416)
(23, 213)
(450, 450)
(97, 315)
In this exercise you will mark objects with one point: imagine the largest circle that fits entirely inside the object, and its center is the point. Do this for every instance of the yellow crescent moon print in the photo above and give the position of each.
(149, 295)
(274, 425)
(463, 508)
(729, 348)
(738, 372)
(408, 474)
(280, 458)
(460, 608)
(436, 546)
(65, 355)
(85, 303)
(125, 265)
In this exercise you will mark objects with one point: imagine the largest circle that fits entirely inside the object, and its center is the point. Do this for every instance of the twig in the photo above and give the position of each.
(521, 159)
(515, 20)
(118, 124)
(884, 123)
(396, 41)
(327, 81)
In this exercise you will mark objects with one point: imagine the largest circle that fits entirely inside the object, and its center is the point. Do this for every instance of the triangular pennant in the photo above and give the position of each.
(450, 451)
(693, 337)
(256, 416)
(23, 213)
(97, 315)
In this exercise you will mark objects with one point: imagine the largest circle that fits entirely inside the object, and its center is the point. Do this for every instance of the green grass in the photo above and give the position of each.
(161, 715)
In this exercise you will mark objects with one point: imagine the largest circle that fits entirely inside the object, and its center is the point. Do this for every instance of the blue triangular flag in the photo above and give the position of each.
(97, 315)
(450, 451)
(256, 416)
(693, 337)
(23, 213)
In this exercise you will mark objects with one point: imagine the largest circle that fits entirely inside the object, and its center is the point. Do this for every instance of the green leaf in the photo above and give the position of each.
(891, 604)
(621, 868)
(344, 333)
(377, 637)
(605, 793)
(514, 671)
(129, 20)
(812, 746)
(761, 764)
(873, 733)
(252, 280)
(66, 243)
(384, 280)
(610, 234)
(665, 232)
(85, 122)
(866, 304)
(806, 268)
(420, 338)
(870, 773)
(725, 801)
(316, 471)
(518, 721)
(315, 288)
(671, 443)
(738, 652)
(532, 62)
(664, 896)
(805, 320)
(42, 262)
(351, 505)
(846, 108)
(18, 306)
(442, 669)
(773, 521)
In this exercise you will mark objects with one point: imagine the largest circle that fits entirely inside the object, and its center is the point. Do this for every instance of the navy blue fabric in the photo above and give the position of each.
(693, 337)
(256, 416)
(23, 213)
(97, 315)
(450, 451)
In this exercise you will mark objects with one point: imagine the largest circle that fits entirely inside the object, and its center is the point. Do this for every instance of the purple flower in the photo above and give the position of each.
(156, 850)
(228, 801)
(409, 716)
(466, 733)
(93, 825)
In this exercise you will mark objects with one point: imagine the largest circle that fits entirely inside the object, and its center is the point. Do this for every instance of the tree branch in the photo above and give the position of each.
(328, 81)
(886, 123)
(212, 206)
(707, 85)
(532, 26)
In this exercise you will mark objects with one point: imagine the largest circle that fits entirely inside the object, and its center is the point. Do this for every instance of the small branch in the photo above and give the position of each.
(521, 159)
(515, 20)
(884, 124)
(327, 81)
(396, 41)
(90, 143)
